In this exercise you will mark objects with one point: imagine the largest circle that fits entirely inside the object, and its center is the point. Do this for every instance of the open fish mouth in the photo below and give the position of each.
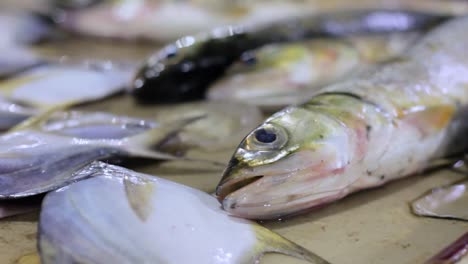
(272, 196)
(228, 187)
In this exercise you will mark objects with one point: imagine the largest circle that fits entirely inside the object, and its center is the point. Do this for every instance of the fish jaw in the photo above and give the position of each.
(286, 186)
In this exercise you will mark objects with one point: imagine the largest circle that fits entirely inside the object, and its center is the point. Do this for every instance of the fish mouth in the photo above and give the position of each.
(266, 197)
(231, 185)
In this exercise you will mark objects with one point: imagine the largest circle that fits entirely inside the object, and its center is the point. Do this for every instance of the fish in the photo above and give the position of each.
(444, 202)
(457, 252)
(356, 134)
(223, 126)
(11, 114)
(43, 152)
(21, 28)
(16, 59)
(88, 221)
(54, 84)
(163, 21)
(277, 75)
(183, 70)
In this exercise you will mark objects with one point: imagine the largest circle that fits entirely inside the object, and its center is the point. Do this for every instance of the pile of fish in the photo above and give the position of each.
(362, 98)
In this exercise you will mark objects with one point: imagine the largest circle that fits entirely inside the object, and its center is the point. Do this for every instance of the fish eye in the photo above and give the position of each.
(249, 58)
(170, 51)
(267, 137)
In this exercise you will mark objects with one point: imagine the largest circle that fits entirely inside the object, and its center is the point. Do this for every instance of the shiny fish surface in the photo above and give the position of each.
(88, 222)
(457, 252)
(38, 156)
(223, 126)
(444, 202)
(184, 70)
(12, 114)
(279, 75)
(168, 20)
(357, 134)
(56, 84)
(16, 59)
(20, 28)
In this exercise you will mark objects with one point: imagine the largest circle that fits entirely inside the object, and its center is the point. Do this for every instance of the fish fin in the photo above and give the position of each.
(140, 145)
(139, 193)
(444, 202)
(9, 86)
(430, 119)
(272, 242)
(38, 120)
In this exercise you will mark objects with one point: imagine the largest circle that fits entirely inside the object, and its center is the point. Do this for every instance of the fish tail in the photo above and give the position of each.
(142, 145)
(145, 144)
(273, 242)
(38, 120)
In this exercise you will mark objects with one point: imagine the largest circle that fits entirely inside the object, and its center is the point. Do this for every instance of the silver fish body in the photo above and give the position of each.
(89, 222)
(58, 84)
(41, 155)
(278, 75)
(357, 134)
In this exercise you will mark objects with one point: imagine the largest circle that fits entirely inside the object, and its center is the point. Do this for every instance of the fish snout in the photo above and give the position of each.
(234, 179)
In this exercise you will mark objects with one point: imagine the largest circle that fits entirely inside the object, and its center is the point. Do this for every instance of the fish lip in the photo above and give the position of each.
(229, 186)
(236, 206)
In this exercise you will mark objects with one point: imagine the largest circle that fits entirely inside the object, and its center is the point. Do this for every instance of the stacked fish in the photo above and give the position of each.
(362, 98)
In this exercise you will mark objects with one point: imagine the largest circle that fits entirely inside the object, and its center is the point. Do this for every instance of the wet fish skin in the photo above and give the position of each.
(50, 85)
(165, 21)
(124, 198)
(22, 28)
(444, 202)
(277, 75)
(357, 134)
(183, 71)
(36, 158)
(457, 252)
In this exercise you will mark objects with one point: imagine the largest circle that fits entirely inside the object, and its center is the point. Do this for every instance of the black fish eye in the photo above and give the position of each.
(171, 51)
(265, 136)
(249, 58)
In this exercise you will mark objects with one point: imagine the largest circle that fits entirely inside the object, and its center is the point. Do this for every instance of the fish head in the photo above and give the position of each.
(291, 162)
(275, 69)
(278, 72)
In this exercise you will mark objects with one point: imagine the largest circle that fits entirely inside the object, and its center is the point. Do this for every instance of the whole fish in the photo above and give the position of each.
(279, 75)
(166, 20)
(183, 70)
(357, 134)
(88, 222)
(162, 20)
(44, 152)
(59, 84)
